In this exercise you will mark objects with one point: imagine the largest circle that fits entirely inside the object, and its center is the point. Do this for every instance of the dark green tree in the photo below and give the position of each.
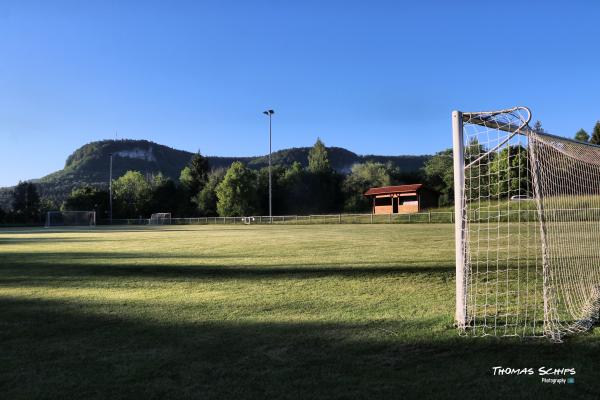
(323, 181)
(47, 205)
(165, 196)
(131, 195)
(318, 162)
(26, 203)
(439, 175)
(263, 190)
(296, 189)
(187, 205)
(595, 139)
(207, 198)
(88, 198)
(196, 174)
(185, 178)
(361, 178)
(537, 127)
(236, 194)
(508, 173)
(480, 160)
(193, 178)
(582, 135)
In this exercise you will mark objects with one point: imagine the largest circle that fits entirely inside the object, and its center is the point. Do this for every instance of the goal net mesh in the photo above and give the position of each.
(71, 218)
(531, 221)
(160, 219)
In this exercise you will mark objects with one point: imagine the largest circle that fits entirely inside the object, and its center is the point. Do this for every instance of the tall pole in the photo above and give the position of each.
(270, 177)
(270, 113)
(110, 190)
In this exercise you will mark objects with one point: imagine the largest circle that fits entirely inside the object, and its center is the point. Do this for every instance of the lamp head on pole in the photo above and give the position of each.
(269, 112)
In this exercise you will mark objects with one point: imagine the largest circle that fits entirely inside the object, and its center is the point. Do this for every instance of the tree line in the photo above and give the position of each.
(583, 136)
(498, 174)
(234, 191)
(241, 191)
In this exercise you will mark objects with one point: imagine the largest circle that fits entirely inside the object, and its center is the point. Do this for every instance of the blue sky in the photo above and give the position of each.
(376, 77)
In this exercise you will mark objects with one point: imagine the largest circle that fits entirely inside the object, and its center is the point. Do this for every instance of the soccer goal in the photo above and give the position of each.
(160, 219)
(248, 220)
(70, 218)
(527, 207)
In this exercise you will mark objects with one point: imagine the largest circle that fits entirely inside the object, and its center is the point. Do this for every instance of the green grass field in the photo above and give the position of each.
(255, 312)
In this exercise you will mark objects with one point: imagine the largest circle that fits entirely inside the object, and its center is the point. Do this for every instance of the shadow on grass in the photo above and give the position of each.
(34, 267)
(54, 349)
(105, 229)
(57, 274)
(67, 257)
(83, 230)
(53, 240)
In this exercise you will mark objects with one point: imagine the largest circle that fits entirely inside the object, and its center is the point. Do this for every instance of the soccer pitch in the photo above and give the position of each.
(236, 312)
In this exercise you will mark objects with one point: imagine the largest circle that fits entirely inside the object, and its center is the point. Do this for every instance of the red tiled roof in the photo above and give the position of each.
(393, 189)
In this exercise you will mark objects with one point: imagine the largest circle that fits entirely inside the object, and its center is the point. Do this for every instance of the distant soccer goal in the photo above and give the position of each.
(527, 227)
(248, 220)
(160, 219)
(70, 218)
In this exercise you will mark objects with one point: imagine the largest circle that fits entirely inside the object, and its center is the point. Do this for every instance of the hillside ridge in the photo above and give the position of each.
(89, 164)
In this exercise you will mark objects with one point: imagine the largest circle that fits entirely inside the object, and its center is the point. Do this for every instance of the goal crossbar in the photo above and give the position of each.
(488, 119)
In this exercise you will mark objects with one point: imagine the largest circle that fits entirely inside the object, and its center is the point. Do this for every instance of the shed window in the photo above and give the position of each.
(409, 200)
(383, 201)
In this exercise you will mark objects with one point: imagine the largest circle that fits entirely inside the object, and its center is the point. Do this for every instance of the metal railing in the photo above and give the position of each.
(433, 217)
(438, 217)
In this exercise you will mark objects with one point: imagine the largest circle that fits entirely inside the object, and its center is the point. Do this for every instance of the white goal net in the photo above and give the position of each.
(248, 220)
(70, 218)
(160, 219)
(527, 228)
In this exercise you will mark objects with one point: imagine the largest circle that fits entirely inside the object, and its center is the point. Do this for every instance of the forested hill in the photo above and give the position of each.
(90, 163)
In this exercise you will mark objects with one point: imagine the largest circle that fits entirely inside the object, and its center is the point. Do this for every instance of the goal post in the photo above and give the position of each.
(459, 181)
(160, 219)
(70, 218)
(527, 208)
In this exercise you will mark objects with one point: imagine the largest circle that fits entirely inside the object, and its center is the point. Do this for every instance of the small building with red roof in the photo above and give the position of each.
(401, 199)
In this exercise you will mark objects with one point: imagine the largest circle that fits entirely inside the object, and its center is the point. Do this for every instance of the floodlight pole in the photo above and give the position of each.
(110, 216)
(270, 113)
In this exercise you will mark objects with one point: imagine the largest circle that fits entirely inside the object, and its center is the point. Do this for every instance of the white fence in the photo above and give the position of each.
(437, 217)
